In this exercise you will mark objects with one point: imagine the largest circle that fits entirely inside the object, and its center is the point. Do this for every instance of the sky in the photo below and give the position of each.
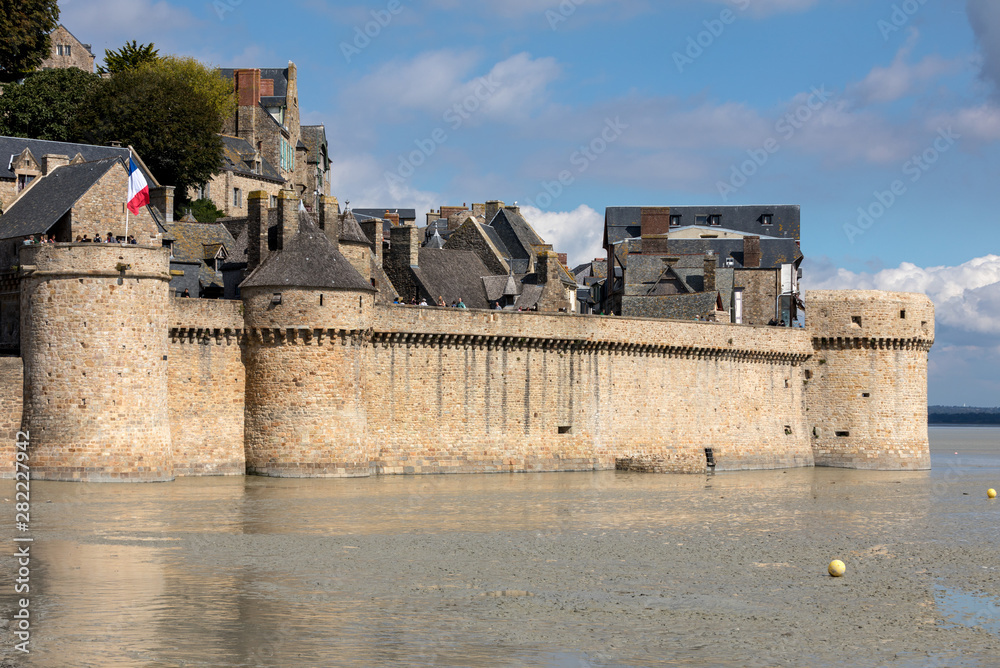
(880, 118)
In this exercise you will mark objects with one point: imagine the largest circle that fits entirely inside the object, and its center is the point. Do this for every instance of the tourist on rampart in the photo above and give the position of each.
(441, 301)
(461, 304)
(186, 293)
(496, 306)
(86, 239)
(30, 240)
(52, 238)
(110, 239)
(97, 238)
(132, 240)
(423, 302)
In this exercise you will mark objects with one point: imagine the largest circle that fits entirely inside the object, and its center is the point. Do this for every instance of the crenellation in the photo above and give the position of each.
(299, 381)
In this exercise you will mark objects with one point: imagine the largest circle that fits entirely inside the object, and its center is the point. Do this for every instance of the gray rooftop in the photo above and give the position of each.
(11, 147)
(51, 198)
(307, 260)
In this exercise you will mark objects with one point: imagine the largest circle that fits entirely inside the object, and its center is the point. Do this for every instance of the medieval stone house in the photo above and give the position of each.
(67, 51)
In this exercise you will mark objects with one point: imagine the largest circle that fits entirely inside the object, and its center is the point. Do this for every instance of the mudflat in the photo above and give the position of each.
(579, 569)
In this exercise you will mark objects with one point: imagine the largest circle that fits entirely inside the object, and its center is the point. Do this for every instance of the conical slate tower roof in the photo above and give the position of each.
(351, 231)
(307, 260)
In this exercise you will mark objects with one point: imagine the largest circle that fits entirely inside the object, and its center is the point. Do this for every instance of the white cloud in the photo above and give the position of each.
(980, 123)
(577, 233)
(108, 24)
(901, 78)
(439, 81)
(966, 297)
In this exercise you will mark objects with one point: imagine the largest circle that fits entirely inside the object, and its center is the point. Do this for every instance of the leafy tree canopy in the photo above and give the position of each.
(205, 211)
(129, 57)
(46, 103)
(171, 111)
(24, 35)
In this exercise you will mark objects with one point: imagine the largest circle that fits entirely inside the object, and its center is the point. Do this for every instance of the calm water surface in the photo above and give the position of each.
(551, 570)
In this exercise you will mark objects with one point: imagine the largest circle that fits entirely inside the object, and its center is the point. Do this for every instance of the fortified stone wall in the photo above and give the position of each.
(206, 386)
(867, 380)
(94, 335)
(305, 379)
(11, 389)
(473, 391)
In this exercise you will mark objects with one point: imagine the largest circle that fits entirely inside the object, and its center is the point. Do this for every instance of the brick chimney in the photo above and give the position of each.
(711, 261)
(655, 220)
(258, 221)
(288, 216)
(50, 161)
(751, 252)
(329, 218)
(393, 219)
(247, 87)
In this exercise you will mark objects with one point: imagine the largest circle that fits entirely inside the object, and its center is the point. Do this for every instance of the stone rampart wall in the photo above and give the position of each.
(867, 379)
(469, 391)
(11, 389)
(206, 382)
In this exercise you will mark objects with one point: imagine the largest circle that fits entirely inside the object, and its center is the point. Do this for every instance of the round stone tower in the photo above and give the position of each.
(866, 383)
(94, 345)
(307, 314)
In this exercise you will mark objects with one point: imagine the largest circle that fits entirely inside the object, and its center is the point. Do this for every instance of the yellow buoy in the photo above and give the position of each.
(837, 568)
(992, 493)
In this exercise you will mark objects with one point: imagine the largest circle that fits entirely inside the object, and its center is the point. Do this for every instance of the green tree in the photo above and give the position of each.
(24, 35)
(205, 211)
(46, 103)
(171, 112)
(129, 57)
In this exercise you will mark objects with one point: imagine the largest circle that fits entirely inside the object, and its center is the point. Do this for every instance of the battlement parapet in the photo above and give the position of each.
(869, 314)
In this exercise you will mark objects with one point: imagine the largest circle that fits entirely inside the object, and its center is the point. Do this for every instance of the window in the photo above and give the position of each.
(274, 201)
(59, 50)
(66, 50)
(715, 219)
(675, 220)
(23, 180)
(766, 219)
(902, 315)
(700, 220)
(856, 320)
(287, 156)
(237, 198)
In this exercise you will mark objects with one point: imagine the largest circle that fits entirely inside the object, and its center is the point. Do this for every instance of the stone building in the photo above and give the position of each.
(67, 51)
(243, 171)
(198, 253)
(749, 254)
(267, 118)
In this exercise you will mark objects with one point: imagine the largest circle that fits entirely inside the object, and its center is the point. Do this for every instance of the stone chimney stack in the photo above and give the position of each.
(288, 216)
(710, 264)
(404, 244)
(162, 198)
(751, 252)
(257, 223)
(329, 218)
(375, 232)
(50, 161)
(492, 208)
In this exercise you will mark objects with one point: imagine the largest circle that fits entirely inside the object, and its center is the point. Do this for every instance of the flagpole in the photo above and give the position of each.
(128, 175)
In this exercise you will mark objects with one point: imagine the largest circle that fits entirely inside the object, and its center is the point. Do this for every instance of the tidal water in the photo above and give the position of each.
(547, 570)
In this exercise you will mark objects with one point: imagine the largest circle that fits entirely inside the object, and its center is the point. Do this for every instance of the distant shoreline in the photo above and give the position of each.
(962, 415)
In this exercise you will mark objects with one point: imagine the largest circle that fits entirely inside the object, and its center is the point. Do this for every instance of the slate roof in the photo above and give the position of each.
(11, 147)
(452, 274)
(379, 212)
(622, 222)
(307, 260)
(192, 241)
(495, 238)
(435, 241)
(515, 232)
(233, 151)
(314, 136)
(51, 197)
(351, 231)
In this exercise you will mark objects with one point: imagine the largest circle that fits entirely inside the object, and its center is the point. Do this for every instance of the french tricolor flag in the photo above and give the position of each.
(138, 189)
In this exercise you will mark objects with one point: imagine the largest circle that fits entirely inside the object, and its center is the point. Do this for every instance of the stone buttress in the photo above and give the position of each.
(94, 345)
(866, 397)
(307, 318)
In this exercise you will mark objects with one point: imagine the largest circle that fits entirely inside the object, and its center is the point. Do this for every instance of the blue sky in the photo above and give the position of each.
(880, 118)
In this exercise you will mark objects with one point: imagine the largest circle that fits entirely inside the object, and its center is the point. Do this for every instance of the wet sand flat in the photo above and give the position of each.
(587, 569)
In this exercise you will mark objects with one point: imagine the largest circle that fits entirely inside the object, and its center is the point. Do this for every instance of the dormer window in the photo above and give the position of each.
(675, 220)
(700, 220)
(766, 219)
(715, 219)
(23, 180)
